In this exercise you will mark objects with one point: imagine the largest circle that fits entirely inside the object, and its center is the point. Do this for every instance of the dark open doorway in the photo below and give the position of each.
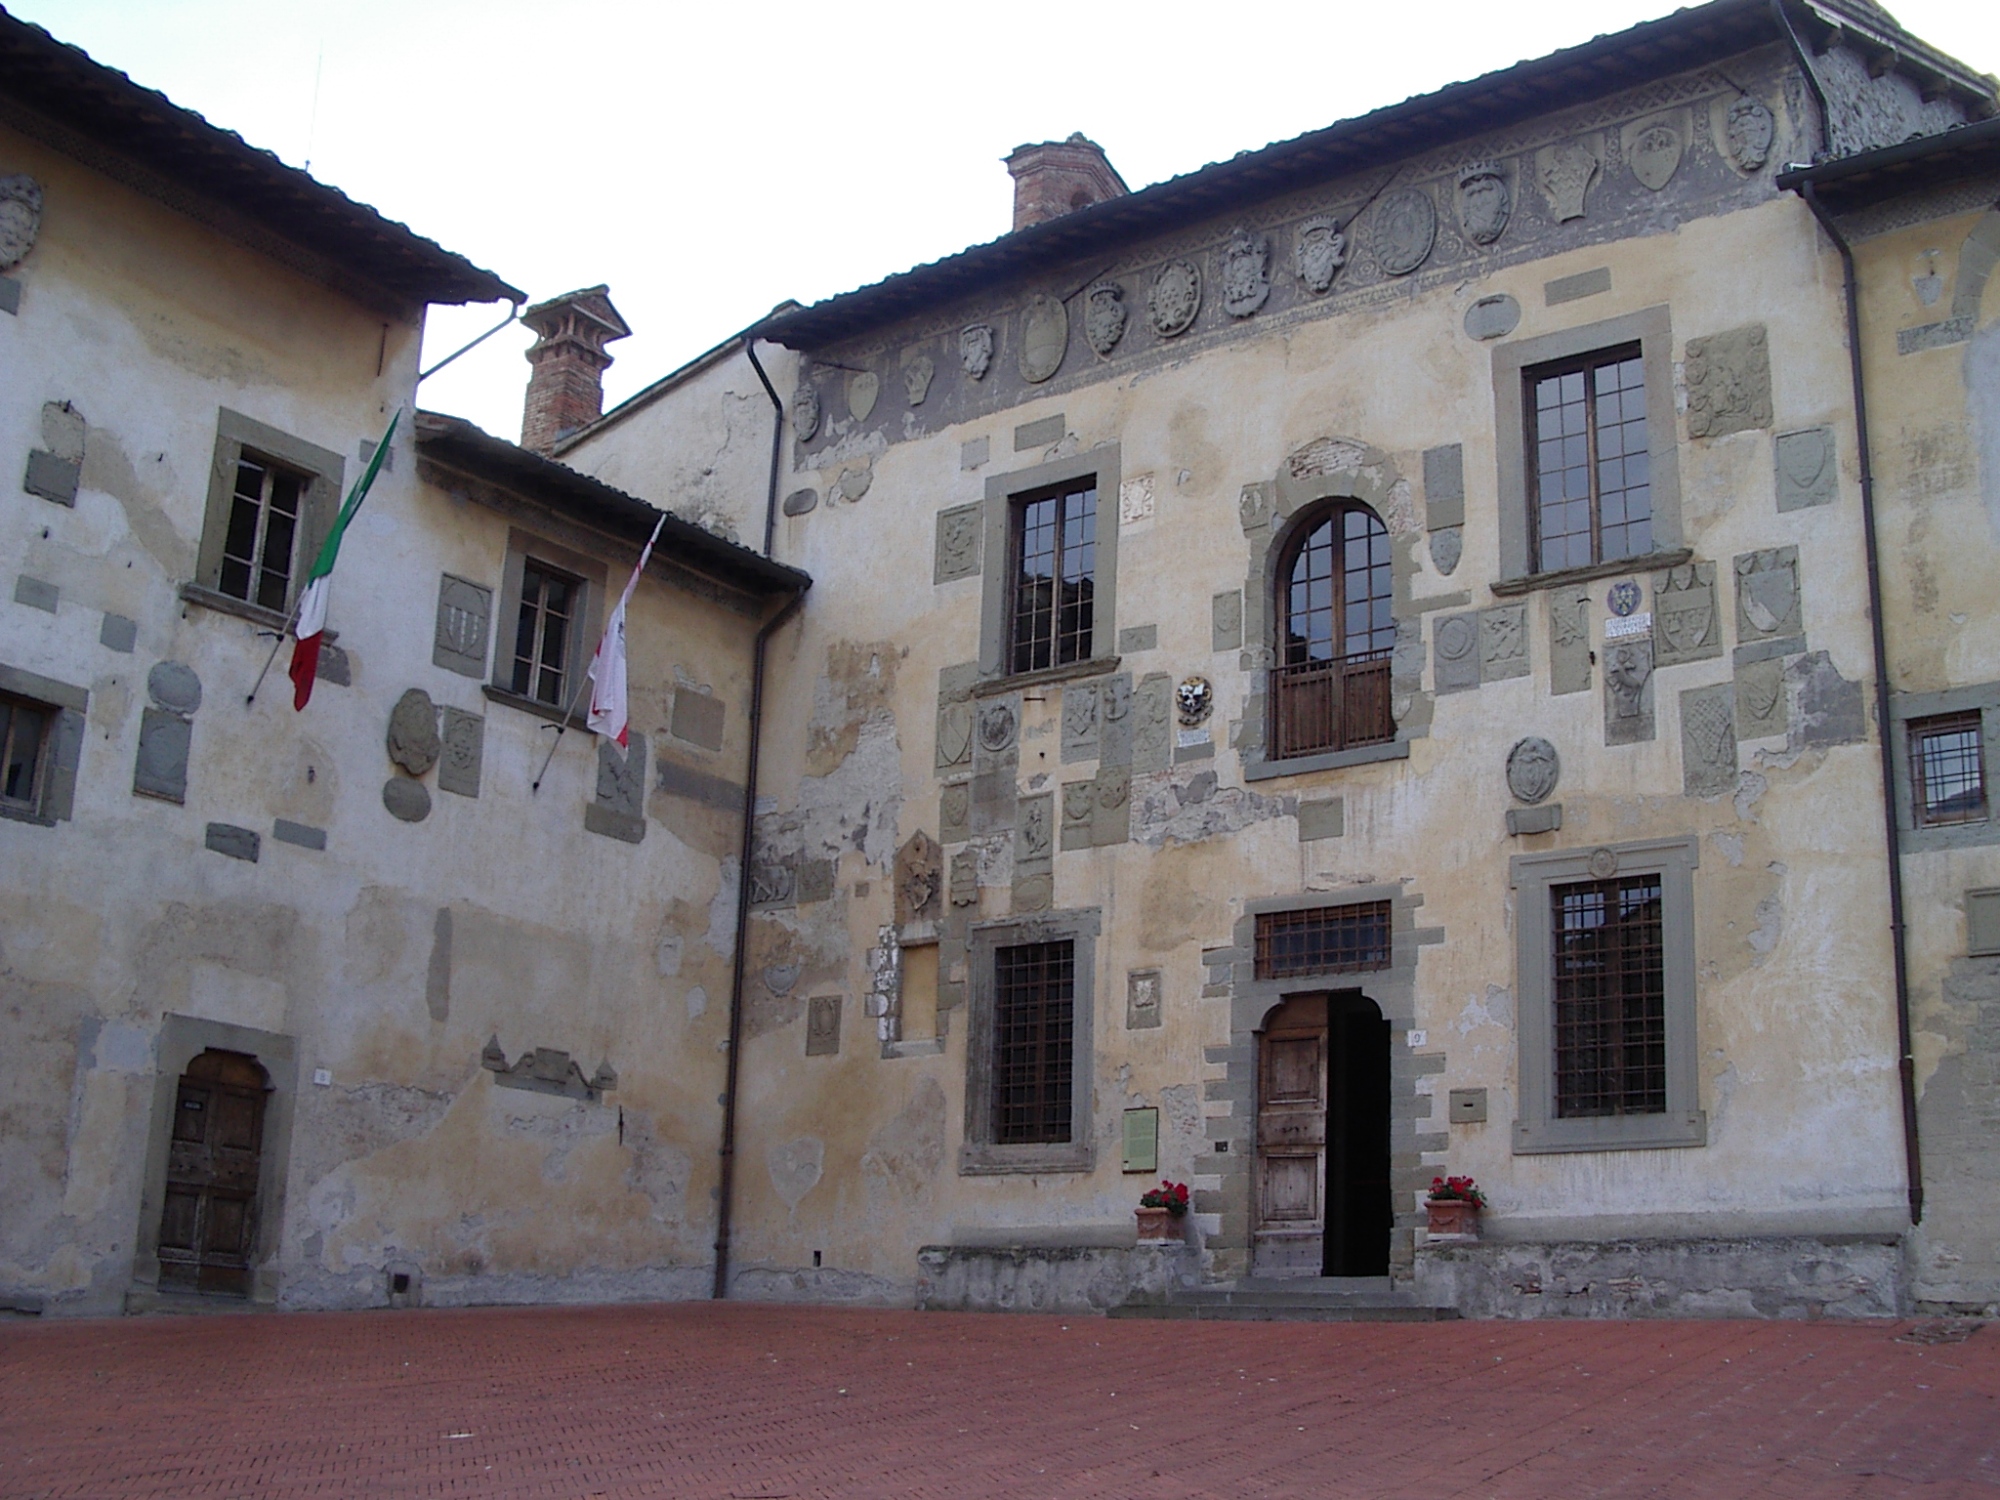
(208, 1223)
(1358, 1210)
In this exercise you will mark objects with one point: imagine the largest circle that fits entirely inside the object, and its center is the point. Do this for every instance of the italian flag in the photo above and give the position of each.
(309, 625)
(608, 704)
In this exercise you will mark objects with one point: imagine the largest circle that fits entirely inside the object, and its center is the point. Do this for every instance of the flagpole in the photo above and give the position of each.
(290, 620)
(562, 728)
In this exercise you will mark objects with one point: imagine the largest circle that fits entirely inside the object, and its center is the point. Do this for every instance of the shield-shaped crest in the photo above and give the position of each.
(20, 218)
(1747, 132)
(1405, 229)
(1246, 273)
(1769, 588)
(1566, 172)
(1484, 202)
(1044, 338)
(917, 378)
(1656, 155)
(1687, 620)
(1319, 250)
(975, 350)
(1175, 298)
(805, 410)
(863, 386)
(1104, 317)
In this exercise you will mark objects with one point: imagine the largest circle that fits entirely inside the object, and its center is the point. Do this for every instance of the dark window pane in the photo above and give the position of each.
(1948, 770)
(1034, 988)
(21, 732)
(1323, 940)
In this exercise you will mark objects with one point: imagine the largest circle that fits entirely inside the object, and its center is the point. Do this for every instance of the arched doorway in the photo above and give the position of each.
(208, 1223)
(1321, 1203)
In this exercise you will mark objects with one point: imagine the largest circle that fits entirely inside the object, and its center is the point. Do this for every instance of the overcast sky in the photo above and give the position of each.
(709, 161)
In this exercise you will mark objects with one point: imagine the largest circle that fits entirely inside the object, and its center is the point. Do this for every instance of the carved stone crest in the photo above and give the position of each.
(1044, 338)
(1654, 154)
(1033, 837)
(975, 350)
(917, 376)
(1405, 229)
(1533, 768)
(1485, 202)
(1747, 133)
(1566, 173)
(1246, 273)
(1767, 594)
(823, 1026)
(1627, 670)
(1684, 615)
(919, 879)
(805, 410)
(1729, 382)
(863, 386)
(1319, 250)
(20, 218)
(965, 878)
(1604, 863)
(996, 727)
(1104, 317)
(954, 809)
(1078, 800)
(1175, 298)
(1195, 698)
(1447, 546)
(414, 743)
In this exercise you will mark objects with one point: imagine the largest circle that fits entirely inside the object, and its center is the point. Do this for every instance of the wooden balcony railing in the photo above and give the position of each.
(1321, 706)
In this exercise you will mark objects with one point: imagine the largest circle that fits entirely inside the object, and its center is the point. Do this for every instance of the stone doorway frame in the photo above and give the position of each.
(1232, 973)
(181, 1040)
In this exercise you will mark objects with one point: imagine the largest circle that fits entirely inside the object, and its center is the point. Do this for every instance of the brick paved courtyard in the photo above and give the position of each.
(761, 1402)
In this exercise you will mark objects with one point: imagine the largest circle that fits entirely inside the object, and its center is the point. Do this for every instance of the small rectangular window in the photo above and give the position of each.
(1054, 577)
(260, 547)
(24, 738)
(549, 604)
(1323, 940)
(1948, 771)
(1034, 1043)
(1608, 968)
(1589, 468)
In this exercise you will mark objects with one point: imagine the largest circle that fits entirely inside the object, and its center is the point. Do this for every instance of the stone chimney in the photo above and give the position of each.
(566, 388)
(1059, 177)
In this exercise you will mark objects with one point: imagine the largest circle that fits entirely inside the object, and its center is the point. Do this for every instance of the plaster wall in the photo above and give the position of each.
(389, 957)
(1795, 1027)
(1935, 412)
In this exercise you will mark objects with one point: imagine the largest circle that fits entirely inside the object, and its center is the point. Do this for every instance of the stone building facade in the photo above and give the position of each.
(1381, 683)
(1413, 650)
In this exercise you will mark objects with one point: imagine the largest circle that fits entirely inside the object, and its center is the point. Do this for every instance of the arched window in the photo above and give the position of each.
(1330, 685)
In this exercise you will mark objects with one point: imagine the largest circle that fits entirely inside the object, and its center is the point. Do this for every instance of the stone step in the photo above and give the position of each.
(1325, 1299)
(1242, 1312)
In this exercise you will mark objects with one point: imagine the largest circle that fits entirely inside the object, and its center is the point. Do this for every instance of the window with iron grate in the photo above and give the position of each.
(1323, 940)
(1608, 973)
(1034, 1044)
(1947, 770)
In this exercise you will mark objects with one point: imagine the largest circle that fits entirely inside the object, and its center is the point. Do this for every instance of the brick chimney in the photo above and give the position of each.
(1059, 177)
(566, 389)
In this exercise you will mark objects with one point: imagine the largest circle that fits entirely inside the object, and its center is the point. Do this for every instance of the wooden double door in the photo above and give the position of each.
(208, 1227)
(1321, 1197)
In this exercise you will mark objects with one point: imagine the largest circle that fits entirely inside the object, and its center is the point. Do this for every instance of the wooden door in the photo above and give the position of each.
(209, 1225)
(1289, 1206)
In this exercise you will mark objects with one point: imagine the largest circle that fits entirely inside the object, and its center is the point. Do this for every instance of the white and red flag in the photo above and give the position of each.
(309, 625)
(608, 713)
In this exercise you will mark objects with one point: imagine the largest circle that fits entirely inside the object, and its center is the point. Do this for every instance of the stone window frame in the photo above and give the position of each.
(1982, 698)
(62, 746)
(980, 1155)
(236, 434)
(1296, 503)
(996, 551)
(1683, 1123)
(181, 1040)
(586, 624)
(1651, 329)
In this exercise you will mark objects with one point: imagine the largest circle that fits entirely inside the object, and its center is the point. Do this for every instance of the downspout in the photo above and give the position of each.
(725, 1188)
(1906, 1064)
(1906, 1061)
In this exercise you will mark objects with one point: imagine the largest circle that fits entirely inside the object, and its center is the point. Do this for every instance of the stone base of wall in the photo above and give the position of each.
(1836, 1276)
(1048, 1278)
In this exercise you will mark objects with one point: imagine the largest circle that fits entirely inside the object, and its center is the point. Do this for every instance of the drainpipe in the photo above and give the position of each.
(725, 1188)
(1892, 833)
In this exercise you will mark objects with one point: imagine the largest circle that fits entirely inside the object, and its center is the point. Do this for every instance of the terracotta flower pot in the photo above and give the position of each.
(1452, 1219)
(1157, 1224)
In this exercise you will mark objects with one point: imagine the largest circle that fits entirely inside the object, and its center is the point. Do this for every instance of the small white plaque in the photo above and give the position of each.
(1135, 500)
(1187, 737)
(1640, 624)
(1418, 1038)
(322, 1077)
